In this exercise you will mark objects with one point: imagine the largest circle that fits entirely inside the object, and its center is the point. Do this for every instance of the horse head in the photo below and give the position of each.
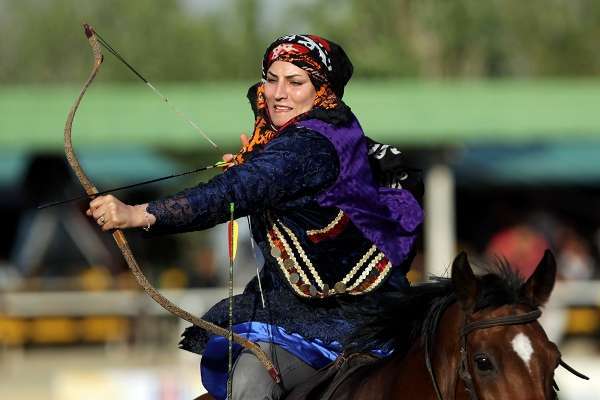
(504, 351)
(470, 337)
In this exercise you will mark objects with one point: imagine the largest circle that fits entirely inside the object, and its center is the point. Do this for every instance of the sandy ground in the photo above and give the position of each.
(99, 373)
(118, 373)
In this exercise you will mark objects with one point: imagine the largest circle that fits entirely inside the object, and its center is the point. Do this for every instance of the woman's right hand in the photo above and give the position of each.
(229, 158)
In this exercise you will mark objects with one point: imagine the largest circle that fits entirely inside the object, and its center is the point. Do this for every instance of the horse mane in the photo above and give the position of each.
(399, 318)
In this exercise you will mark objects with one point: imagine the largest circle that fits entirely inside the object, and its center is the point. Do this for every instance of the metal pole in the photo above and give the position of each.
(440, 231)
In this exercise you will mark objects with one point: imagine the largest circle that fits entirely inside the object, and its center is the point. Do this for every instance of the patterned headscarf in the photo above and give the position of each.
(328, 67)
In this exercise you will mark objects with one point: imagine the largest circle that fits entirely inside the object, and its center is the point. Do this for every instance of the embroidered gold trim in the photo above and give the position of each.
(358, 265)
(329, 227)
(354, 289)
(382, 275)
(303, 256)
(280, 261)
(366, 271)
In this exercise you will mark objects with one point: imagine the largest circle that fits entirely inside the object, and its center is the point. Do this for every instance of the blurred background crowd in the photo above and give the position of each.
(495, 101)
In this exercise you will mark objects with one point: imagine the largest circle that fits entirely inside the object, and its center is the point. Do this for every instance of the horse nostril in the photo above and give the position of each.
(483, 362)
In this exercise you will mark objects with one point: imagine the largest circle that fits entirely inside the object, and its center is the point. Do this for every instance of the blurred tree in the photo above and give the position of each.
(465, 38)
(183, 40)
(43, 40)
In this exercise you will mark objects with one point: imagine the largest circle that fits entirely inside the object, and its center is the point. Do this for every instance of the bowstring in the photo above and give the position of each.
(164, 98)
(264, 303)
(253, 245)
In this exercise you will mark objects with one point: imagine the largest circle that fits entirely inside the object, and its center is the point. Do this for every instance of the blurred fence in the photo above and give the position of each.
(129, 322)
(109, 316)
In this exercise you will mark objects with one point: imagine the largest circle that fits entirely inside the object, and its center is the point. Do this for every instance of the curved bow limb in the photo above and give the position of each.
(119, 236)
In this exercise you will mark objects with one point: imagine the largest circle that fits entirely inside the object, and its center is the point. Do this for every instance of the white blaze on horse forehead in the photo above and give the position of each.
(522, 346)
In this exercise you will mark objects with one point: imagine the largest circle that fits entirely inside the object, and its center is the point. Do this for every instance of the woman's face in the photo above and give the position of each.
(288, 92)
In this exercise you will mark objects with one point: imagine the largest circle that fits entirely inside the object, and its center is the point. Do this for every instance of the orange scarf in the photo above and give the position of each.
(264, 131)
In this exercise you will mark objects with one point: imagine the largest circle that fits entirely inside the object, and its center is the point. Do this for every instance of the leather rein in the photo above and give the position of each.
(463, 369)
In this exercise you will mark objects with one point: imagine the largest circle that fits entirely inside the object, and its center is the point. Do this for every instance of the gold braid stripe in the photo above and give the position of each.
(121, 241)
(330, 226)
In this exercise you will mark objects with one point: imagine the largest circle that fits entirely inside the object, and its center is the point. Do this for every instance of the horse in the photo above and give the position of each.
(468, 337)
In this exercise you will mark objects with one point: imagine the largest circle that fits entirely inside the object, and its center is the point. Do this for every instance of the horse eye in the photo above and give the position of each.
(483, 362)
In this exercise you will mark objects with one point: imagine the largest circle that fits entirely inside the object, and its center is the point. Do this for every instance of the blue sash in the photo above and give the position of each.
(214, 359)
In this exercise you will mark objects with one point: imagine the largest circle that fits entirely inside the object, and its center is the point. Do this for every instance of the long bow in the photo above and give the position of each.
(119, 236)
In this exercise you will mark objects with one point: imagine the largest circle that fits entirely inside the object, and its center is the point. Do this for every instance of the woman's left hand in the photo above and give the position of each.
(229, 158)
(111, 213)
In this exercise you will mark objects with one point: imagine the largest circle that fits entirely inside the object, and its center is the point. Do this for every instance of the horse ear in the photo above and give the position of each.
(539, 286)
(465, 282)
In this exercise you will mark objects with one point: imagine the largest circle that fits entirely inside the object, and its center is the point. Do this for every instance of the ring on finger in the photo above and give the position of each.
(101, 220)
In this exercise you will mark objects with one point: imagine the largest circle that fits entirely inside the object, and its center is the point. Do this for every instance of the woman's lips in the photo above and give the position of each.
(281, 109)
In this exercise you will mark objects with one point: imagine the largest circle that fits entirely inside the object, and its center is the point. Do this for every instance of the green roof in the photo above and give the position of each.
(398, 112)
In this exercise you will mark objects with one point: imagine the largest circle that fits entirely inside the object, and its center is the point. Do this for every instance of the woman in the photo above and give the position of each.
(325, 226)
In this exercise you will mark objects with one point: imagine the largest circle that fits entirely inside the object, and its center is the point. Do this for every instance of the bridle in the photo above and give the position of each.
(430, 328)
(463, 369)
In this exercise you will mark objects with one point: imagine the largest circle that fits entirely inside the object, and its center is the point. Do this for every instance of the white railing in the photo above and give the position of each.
(113, 302)
(197, 301)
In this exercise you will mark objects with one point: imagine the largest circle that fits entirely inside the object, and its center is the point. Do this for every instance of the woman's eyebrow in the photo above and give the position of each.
(286, 76)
